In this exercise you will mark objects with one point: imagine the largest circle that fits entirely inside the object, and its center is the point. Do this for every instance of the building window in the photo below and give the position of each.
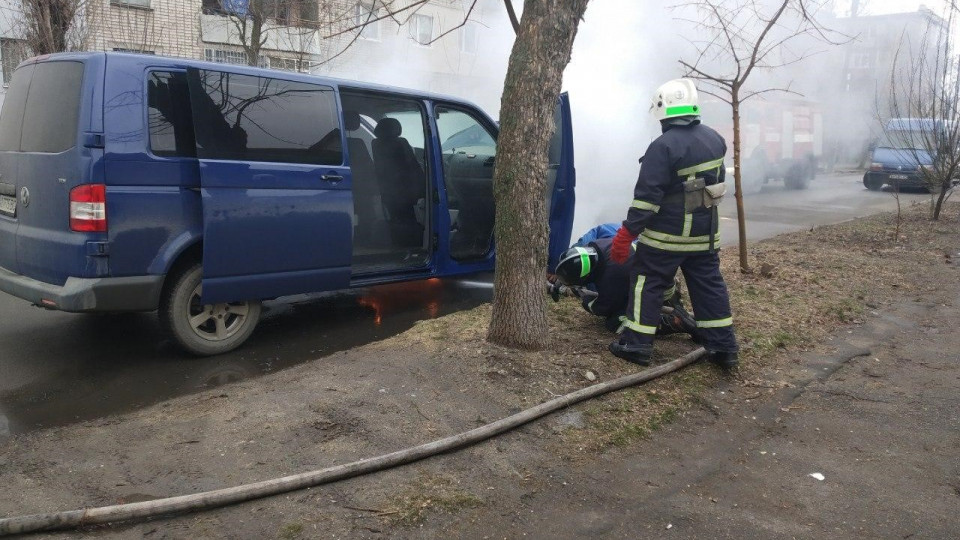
(288, 64)
(222, 56)
(468, 38)
(135, 51)
(132, 3)
(366, 14)
(421, 28)
(225, 7)
(12, 52)
(212, 7)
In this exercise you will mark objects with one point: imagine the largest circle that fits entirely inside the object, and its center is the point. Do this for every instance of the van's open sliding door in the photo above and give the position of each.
(277, 204)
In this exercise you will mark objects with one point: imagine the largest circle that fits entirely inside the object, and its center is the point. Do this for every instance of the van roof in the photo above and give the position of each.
(913, 124)
(176, 62)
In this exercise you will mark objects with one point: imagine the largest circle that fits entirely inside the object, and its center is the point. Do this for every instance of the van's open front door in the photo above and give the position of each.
(561, 180)
(277, 204)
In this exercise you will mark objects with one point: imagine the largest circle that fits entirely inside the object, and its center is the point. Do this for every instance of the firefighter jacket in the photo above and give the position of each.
(658, 214)
(611, 282)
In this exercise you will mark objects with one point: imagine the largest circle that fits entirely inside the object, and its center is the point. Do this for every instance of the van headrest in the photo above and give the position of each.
(351, 120)
(388, 128)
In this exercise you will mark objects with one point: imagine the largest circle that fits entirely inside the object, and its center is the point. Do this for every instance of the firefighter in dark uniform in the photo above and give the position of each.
(604, 285)
(674, 213)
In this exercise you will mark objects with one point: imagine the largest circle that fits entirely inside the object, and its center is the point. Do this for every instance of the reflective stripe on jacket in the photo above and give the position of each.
(657, 213)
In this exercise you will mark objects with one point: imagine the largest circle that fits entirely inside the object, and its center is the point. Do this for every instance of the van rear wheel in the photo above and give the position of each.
(204, 329)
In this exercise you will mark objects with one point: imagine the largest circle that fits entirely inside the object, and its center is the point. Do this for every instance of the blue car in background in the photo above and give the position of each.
(900, 158)
(140, 183)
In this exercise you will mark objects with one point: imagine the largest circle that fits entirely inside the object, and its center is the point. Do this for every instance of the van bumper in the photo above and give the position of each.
(135, 293)
(903, 179)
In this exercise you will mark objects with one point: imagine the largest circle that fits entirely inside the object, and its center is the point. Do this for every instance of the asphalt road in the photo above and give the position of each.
(829, 199)
(57, 368)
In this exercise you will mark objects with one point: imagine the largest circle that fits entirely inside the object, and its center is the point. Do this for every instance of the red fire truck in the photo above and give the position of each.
(780, 140)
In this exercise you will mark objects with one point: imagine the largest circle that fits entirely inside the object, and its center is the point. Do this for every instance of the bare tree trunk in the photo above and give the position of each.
(938, 207)
(532, 86)
(46, 23)
(253, 48)
(896, 195)
(738, 182)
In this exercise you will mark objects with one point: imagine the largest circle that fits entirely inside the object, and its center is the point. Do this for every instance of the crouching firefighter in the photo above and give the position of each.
(602, 286)
(674, 213)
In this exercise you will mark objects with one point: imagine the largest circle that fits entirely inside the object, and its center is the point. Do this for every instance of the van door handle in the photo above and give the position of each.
(333, 178)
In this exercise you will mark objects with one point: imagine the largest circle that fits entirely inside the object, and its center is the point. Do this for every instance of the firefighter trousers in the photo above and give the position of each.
(653, 273)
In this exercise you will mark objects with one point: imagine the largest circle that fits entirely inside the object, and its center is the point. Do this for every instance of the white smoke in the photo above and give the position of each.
(624, 50)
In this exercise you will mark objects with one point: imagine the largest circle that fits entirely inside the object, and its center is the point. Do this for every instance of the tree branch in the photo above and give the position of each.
(513, 16)
(465, 20)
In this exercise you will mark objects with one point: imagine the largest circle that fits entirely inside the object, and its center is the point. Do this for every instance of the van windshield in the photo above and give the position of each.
(904, 139)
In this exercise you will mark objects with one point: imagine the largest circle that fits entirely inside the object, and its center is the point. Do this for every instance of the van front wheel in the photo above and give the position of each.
(204, 329)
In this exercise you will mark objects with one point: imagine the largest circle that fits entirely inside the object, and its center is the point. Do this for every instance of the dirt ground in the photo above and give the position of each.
(850, 371)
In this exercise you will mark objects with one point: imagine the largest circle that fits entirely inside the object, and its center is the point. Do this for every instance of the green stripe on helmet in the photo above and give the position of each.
(584, 262)
(682, 110)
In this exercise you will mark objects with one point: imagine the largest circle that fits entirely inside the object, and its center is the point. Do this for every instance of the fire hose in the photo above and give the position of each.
(265, 488)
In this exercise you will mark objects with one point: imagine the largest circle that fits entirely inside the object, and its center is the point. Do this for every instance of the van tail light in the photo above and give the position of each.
(88, 208)
(876, 166)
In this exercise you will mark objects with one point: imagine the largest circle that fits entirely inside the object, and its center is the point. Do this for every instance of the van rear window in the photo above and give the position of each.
(53, 108)
(247, 118)
(42, 108)
(11, 119)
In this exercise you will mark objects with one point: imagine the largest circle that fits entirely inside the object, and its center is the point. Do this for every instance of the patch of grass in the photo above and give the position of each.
(759, 343)
(290, 531)
(846, 310)
(429, 494)
(643, 428)
(634, 414)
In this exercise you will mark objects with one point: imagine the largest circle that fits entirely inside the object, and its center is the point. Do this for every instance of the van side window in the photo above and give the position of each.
(168, 115)
(247, 118)
(53, 108)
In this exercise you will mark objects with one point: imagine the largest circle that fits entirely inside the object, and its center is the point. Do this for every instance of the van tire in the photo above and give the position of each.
(225, 328)
(796, 177)
(872, 184)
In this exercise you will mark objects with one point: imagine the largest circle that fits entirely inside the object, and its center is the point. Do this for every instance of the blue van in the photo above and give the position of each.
(140, 183)
(900, 157)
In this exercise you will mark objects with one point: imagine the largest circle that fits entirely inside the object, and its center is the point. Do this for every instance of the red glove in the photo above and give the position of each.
(620, 250)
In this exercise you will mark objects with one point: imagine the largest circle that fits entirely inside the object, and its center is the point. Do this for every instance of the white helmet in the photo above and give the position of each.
(675, 98)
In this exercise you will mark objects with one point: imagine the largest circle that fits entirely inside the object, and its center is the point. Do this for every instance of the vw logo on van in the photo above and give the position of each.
(25, 197)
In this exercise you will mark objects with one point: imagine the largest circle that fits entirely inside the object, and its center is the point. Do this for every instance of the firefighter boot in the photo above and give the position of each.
(638, 354)
(726, 360)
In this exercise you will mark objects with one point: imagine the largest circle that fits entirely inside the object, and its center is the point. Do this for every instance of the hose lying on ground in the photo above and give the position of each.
(246, 492)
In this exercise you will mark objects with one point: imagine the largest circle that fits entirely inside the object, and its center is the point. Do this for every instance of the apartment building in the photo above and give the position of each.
(880, 41)
(441, 46)
(857, 77)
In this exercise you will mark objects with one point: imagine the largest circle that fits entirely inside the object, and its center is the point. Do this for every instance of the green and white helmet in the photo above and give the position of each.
(577, 264)
(674, 99)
